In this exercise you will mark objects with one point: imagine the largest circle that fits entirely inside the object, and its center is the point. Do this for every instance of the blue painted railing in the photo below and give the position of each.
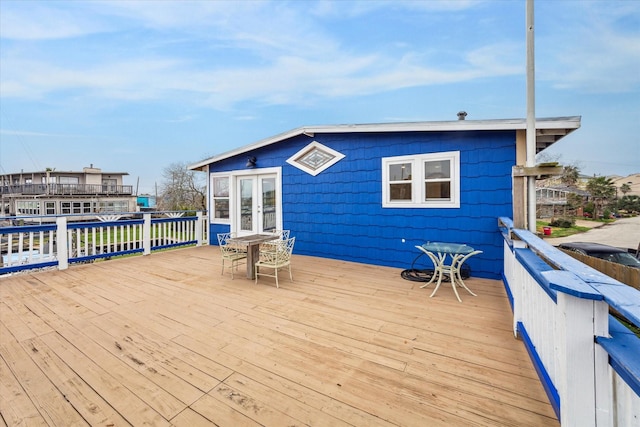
(33, 246)
(588, 362)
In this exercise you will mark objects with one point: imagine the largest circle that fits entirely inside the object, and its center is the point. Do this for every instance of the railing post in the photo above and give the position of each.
(576, 361)
(199, 230)
(61, 243)
(517, 287)
(146, 233)
(603, 387)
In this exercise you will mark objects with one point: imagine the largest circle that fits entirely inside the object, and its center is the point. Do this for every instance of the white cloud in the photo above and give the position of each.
(284, 78)
(36, 21)
(351, 9)
(599, 53)
(280, 52)
(36, 134)
(182, 119)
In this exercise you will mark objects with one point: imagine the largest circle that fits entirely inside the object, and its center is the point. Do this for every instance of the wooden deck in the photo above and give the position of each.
(166, 340)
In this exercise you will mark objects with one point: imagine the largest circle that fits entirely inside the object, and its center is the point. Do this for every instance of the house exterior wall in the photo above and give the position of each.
(339, 214)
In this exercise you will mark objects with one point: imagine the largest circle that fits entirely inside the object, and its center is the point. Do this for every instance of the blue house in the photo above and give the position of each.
(146, 202)
(370, 192)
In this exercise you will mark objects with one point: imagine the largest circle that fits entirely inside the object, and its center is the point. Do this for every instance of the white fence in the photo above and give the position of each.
(588, 362)
(26, 247)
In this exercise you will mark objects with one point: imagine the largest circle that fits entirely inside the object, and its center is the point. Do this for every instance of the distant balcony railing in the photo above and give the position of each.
(66, 189)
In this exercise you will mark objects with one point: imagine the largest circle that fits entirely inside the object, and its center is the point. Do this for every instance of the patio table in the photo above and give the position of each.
(438, 252)
(252, 243)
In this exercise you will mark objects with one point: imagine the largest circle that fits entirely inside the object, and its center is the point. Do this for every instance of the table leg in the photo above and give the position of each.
(437, 263)
(443, 269)
(253, 253)
(459, 271)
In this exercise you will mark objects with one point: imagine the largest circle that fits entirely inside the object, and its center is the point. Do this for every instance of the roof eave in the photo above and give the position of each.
(548, 131)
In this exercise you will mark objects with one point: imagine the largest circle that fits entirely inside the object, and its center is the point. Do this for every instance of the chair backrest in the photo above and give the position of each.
(277, 252)
(287, 247)
(222, 238)
(283, 234)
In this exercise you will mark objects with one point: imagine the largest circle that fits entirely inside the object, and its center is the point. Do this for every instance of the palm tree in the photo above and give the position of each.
(625, 188)
(602, 190)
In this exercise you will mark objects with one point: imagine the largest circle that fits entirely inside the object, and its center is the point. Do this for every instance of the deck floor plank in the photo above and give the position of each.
(16, 407)
(166, 339)
(118, 392)
(51, 404)
(191, 367)
(84, 399)
(288, 386)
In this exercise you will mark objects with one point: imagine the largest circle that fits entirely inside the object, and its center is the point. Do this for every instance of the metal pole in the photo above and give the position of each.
(531, 120)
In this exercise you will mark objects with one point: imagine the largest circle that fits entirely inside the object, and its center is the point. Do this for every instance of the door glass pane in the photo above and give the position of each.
(246, 204)
(268, 204)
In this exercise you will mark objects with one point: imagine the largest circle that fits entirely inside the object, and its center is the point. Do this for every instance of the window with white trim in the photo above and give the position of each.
(28, 207)
(115, 206)
(69, 180)
(220, 198)
(421, 181)
(314, 158)
(50, 208)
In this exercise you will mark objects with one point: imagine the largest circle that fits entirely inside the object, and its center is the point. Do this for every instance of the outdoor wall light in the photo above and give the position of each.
(251, 162)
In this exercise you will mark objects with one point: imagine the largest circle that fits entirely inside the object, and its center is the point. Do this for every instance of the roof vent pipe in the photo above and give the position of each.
(462, 115)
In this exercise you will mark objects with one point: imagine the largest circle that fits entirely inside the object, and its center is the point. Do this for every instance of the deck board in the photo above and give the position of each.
(166, 339)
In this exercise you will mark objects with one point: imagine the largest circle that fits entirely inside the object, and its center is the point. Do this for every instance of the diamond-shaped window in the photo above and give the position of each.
(314, 158)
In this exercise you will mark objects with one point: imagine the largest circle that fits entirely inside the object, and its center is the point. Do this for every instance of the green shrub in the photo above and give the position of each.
(562, 222)
(589, 208)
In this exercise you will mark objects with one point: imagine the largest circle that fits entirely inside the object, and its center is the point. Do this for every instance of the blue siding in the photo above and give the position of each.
(338, 213)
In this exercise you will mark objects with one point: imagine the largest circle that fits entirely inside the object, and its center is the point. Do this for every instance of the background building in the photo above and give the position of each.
(52, 192)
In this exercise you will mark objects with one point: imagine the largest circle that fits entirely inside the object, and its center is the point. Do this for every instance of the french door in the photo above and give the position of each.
(258, 204)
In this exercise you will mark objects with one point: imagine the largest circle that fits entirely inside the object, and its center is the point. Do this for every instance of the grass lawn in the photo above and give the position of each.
(560, 232)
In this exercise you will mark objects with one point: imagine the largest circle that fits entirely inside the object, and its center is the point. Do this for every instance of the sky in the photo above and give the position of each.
(139, 86)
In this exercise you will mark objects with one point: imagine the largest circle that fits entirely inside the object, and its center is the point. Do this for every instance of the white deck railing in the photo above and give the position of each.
(588, 362)
(32, 245)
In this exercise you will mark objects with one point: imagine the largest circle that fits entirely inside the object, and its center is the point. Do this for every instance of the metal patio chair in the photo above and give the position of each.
(275, 255)
(230, 252)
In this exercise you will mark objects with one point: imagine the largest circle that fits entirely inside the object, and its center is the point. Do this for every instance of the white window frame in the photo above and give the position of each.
(418, 199)
(28, 207)
(50, 208)
(293, 160)
(213, 219)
